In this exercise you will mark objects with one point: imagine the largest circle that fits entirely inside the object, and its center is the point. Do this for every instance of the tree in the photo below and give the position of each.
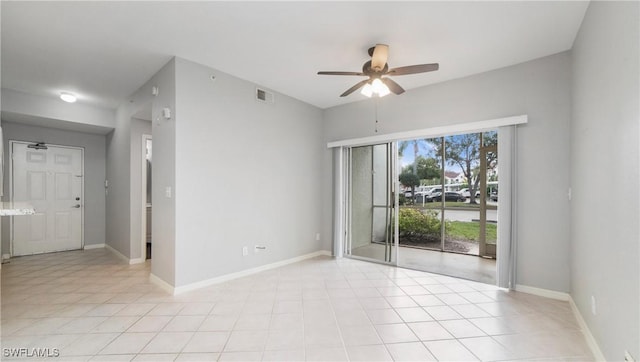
(428, 168)
(463, 151)
(409, 180)
(402, 146)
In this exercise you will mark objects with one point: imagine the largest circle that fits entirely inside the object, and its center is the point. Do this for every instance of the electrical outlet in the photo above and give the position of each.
(628, 357)
(594, 311)
(245, 251)
(317, 236)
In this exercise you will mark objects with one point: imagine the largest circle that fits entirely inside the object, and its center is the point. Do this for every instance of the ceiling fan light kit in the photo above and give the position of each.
(375, 87)
(68, 97)
(376, 68)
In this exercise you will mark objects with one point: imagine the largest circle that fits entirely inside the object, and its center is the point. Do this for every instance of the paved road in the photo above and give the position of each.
(468, 215)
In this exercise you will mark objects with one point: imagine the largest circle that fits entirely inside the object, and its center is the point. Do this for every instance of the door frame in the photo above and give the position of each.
(143, 197)
(504, 267)
(484, 249)
(392, 200)
(11, 230)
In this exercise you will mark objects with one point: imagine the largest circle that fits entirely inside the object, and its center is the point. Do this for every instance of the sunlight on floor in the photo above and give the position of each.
(457, 265)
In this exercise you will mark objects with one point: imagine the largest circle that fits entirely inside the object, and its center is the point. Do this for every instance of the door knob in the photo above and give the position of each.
(77, 206)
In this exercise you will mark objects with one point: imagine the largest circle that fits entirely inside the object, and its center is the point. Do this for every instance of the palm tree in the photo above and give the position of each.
(402, 146)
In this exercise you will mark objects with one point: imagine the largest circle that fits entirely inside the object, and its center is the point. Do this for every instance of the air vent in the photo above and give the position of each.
(264, 96)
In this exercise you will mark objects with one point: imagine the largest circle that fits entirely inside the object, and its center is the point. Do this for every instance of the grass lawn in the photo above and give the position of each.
(450, 205)
(464, 230)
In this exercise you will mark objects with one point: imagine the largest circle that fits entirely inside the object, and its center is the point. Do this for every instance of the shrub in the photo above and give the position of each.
(414, 222)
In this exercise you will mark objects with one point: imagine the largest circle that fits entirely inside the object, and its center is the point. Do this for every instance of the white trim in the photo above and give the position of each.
(94, 246)
(161, 283)
(542, 292)
(6, 256)
(244, 273)
(117, 253)
(432, 132)
(122, 256)
(591, 341)
(338, 201)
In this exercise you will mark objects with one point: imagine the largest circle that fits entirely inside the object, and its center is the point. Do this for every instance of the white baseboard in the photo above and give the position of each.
(243, 273)
(124, 258)
(137, 261)
(591, 341)
(94, 246)
(161, 283)
(543, 292)
(325, 253)
(6, 256)
(117, 253)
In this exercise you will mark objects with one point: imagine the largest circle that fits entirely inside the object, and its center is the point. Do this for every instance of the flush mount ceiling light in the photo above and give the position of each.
(68, 97)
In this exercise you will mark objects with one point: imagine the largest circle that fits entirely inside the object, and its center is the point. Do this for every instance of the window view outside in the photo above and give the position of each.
(448, 184)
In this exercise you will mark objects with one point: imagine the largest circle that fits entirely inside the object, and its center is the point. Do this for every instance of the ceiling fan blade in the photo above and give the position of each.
(340, 73)
(413, 69)
(354, 88)
(379, 57)
(393, 86)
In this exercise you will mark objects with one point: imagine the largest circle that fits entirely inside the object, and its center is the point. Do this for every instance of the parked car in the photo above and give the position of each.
(421, 196)
(494, 196)
(465, 193)
(434, 190)
(448, 196)
(408, 194)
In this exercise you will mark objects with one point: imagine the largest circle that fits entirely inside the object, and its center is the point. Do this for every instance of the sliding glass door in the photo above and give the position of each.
(371, 211)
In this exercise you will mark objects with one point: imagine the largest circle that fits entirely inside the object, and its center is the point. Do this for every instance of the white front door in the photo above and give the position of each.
(51, 181)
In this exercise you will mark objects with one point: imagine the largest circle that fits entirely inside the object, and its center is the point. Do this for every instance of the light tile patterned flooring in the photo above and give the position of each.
(91, 306)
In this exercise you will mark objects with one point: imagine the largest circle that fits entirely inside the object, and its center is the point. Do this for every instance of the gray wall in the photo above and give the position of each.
(118, 193)
(163, 224)
(124, 175)
(540, 89)
(94, 167)
(604, 157)
(246, 173)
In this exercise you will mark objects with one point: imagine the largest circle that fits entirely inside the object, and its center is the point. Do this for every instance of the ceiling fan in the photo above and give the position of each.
(376, 68)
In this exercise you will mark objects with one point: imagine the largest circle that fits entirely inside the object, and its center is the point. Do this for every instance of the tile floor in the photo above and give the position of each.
(464, 266)
(87, 305)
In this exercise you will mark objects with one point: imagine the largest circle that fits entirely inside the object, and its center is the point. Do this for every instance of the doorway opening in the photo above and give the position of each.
(428, 204)
(371, 203)
(448, 205)
(147, 156)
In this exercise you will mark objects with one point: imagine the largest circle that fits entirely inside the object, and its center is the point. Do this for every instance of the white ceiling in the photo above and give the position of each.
(104, 51)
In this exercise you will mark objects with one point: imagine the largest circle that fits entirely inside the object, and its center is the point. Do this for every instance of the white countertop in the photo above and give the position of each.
(16, 208)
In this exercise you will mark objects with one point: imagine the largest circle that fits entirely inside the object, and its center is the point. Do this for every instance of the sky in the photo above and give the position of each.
(426, 150)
